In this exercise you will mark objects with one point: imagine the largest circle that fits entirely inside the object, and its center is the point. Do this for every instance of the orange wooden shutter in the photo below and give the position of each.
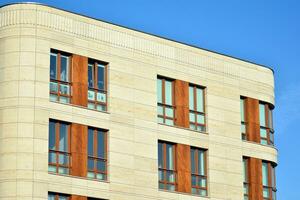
(252, 119)
(181, 93)
(255, 179)
(183, 161)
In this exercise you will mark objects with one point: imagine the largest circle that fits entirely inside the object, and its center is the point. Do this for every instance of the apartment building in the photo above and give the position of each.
(91, 111)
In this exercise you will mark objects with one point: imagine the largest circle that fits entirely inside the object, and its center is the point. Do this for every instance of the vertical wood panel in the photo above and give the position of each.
(77, 197)
(79, 80)
(182, 103)
(252, 119)
(255, 179)
(183, 160)
(79, 150)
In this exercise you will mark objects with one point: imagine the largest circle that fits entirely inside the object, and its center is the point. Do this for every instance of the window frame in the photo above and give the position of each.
(197, 174)
(95, 157)
(58, 152)
(164, 169)
(58, 80)
(270, 176)
(269, 130)
(163, 104)
(95, 89)
(195, 112)
(244, 135)
(246, 183)
(58, 195)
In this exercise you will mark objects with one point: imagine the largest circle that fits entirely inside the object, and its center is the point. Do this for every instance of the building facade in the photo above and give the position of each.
(91, 110)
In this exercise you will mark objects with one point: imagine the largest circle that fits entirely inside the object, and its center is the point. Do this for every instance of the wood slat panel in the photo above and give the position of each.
(79, 80)
(79, 150)
(183, 160)
(255, 179)
(182, 103)
(77, 197)
(252, 119)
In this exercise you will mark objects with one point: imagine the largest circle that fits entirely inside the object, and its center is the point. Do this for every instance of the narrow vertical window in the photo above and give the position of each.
(59, 147)
(166, 166)
(60, 86)
(198, 170)
(97, 83)
(268, 181)
(56, 196)
(196, 107)
(243, 123)
(165, 101)
(266, 124)
(246, 178)
(97, 154)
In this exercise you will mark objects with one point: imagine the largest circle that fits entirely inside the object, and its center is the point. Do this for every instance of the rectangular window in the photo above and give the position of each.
(243, 123)
(97, 154)
(266, 124)
(97, 83)
(246, 178)
(56, 196)
(166, 166)
(60, 84)
(59, 147)
(198, 170)
(196, 108)
(165, 101)
(268, 181)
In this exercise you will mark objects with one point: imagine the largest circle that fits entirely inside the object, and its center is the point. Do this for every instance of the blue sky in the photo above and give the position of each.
(262, 31)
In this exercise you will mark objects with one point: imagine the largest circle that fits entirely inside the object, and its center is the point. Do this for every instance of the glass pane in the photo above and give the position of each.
(192, 117)
(169, 122)
(63, 137)
(63, 198)
(200, 119)
(203, 192)
(270, 119)
(53, 66)
(64, 89)
(243, 128)
(263, 132)
(91, 95)
(64, 73)
(194, 191)
(53, 97)
(200, 128)
(193, 167)
(194, 180)
(51, 197)
(160, 155)
(52, 135)
(171, 187)
(63, 170)
(51, 169)
(101, 144)
(265, 174)
(199, 100)
(101, 77)
(90, 142)
(169, 112)
(159, 91)
(91, 75)
(161, 186)
(262, 116)
(101, 166)
(245, 189)
(201, 169)
(91, 105)
(91, 175)
(245, 169)
(64, 99)
(266, 193)
(53, 87)
(159, 110)
(91, 164)
(101, 176)
(170, 158)
(101, 107)
(264, 141)
(201, 182)
(170, 176)
(101, 97)
(160, 175)
(273, 177)
(160, 120)
(52, 157)
(192, 126)
(168, 92)
(63, 159)
(242, 108)
(191, 98)
(274, 195)
(272, 137)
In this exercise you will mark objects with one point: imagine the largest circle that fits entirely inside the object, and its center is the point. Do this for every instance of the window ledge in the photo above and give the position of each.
(265, 145)
(188, 129)
(79, 177)
(183, 193)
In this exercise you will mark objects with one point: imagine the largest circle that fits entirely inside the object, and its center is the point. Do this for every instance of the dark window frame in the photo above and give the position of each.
(244, 135)
(269, 130)
(246, 183)
(194, 111)
(271, 179)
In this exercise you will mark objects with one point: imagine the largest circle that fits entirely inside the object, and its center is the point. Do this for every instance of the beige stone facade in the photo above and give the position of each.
(29, 31)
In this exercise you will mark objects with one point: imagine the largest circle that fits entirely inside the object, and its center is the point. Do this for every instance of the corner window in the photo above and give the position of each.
(166, 166)
(268, 181)
(243, 123)
(196, 108)
(246, 178)
(56, 196)
(266, 124)
(97, 154)
(97, 83)
(198, 170)
(60, 86)
(165, 101)
(59, 147)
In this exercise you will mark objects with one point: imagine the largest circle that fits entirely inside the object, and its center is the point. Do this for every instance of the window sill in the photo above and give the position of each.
(183, 193)
(188, 129)
(79, 177)
(265, 145)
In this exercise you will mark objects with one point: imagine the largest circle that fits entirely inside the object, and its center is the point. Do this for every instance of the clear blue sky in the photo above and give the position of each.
(262, 31)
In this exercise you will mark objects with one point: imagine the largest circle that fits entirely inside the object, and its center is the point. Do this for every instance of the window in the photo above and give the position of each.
(56, 196)
(266, 124)
(97, 92)
(268, 181)
(198, 170)
(97, 154)
(166, 166)
(196, 107)
(59, 147)
(246, 178)
(165, 101)
(60, 86)
(243, 123)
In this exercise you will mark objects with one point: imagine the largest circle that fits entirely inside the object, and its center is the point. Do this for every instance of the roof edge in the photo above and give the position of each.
(151, 34)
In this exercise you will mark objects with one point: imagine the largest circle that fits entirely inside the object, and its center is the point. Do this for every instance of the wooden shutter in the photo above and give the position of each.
(181, 95)
(252, 119)
(255, 179)
(183, 161)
